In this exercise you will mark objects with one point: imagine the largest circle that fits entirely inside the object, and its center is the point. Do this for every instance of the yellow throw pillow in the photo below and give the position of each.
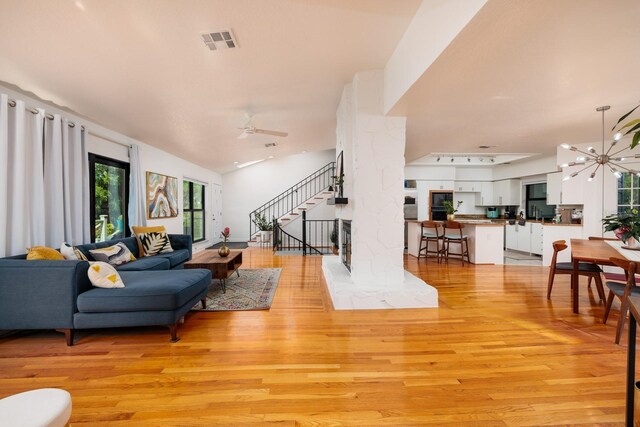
(103, 275)
(141, 231)
(43, 252)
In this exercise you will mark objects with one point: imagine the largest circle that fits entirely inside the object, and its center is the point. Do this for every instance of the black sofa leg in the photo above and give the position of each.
(68, 334)
(174, 332)
(204, 302)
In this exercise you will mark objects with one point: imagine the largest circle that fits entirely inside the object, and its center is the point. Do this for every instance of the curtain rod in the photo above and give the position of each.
(12, 103)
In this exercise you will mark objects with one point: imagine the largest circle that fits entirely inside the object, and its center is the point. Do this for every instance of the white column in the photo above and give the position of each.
(377, 171)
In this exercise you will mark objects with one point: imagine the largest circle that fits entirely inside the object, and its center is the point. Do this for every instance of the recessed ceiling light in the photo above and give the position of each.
(484, 147)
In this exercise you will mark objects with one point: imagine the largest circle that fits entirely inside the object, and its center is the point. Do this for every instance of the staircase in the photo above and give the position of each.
(289, 205)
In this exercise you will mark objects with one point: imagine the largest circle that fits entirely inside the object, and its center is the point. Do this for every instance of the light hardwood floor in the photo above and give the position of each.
(496, 353)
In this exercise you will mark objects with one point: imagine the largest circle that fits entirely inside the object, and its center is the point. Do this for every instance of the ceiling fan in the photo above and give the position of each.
(250, 129)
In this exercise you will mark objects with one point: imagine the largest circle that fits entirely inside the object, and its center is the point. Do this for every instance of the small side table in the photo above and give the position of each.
(221, 268)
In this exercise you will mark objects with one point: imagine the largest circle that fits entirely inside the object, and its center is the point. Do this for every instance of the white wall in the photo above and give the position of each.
(248, 188)
(109, 143)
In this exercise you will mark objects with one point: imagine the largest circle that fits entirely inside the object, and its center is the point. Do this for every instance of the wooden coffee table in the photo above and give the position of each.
(221, 268)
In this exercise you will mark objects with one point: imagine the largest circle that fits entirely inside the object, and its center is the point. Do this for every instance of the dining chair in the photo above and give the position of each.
(584, 269)
(622, 291)
(608, 275)
(456, 237)
(430, 233)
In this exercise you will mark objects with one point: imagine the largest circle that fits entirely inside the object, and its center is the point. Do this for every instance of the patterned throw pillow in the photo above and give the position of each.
(117, 254)
(154, 243)
(43, 252)
(72, 252)
(103, 275)
(152, 240)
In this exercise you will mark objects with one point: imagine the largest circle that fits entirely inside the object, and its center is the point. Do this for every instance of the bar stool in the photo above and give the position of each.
(457, 239)
(427, 236)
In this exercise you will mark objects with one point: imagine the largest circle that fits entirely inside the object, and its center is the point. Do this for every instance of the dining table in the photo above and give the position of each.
(595, 251)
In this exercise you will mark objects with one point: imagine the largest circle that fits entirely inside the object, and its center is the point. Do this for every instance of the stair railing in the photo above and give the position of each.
(291, 198)
(316, 235)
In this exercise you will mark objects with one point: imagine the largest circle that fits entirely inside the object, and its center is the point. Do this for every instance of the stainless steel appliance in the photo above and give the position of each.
(438, 211)
(493, 212)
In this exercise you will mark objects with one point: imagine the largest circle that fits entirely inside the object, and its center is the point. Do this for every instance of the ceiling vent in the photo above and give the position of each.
(222, 39)
(270, 144)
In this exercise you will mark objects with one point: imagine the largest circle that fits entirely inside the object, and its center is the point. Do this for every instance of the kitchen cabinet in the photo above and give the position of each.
(554, 188)
(506, 192)
(525, 238)
(572, 189)
(467, 186)
(511, 237)
(485, 196)
(536, 238)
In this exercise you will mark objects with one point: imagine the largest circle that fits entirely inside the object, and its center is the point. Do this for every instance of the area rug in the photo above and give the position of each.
(253, 290)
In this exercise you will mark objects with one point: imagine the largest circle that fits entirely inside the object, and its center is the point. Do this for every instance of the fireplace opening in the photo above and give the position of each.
(346, 244)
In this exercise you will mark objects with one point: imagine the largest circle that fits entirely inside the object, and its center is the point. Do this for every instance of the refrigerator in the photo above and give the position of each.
(438, 211)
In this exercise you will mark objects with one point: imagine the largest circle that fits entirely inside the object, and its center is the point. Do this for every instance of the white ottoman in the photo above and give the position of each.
(45, 407)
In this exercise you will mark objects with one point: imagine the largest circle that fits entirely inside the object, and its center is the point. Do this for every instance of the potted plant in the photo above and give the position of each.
(264, 226)
(339, 184)
(451, 211)
(634, 128)
(224, 251)
(334, 239)
(626, 227)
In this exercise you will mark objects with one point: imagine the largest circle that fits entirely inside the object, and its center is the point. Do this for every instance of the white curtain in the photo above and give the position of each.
(66, 174)
(21, 178)
(137, 214)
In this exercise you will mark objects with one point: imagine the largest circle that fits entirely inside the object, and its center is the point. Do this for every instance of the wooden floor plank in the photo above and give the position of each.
(495, 353)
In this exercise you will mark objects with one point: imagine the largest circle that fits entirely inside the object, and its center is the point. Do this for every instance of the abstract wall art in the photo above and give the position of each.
(162, 196)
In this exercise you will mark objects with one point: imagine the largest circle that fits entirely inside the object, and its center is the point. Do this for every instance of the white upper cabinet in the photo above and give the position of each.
(485, 196)
(573, 189)
(554, 188)
(506, 192)
(467, 186)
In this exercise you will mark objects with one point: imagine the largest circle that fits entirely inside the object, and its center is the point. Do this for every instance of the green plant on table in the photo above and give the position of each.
(625, 225)
(448, 205)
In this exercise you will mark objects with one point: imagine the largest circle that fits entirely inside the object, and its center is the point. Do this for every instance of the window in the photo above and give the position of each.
(628, 192)
(537, 202)
(109, 193)
(193, 211)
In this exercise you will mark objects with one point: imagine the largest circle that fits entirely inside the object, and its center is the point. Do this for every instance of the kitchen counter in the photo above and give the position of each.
(485, 240)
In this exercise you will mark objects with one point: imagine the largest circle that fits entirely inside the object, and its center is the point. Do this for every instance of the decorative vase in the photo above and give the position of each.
(631, 243)
(451, 217)
(224, 251)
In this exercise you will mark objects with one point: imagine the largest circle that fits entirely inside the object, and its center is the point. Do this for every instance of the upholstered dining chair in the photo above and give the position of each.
(430, 232)
(453, 234)
(584, 269)
(622, 291)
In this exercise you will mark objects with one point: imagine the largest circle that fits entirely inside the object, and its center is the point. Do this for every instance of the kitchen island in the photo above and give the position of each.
(486, 240)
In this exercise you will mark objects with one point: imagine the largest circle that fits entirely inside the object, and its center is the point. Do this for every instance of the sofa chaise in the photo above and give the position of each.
(58, 294)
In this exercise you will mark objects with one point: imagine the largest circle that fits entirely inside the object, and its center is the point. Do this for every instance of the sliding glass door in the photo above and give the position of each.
(109, 191)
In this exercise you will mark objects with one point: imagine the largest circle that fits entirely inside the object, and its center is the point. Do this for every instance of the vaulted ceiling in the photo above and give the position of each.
(140, 67)
(523, 75)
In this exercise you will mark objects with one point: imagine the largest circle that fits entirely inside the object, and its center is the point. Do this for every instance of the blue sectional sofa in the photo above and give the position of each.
(59, 295)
